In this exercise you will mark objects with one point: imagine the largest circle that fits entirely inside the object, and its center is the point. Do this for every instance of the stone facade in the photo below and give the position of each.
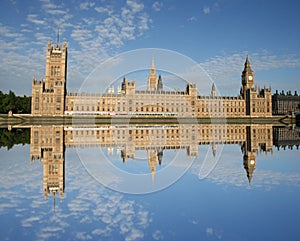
(49, 96)
(284, 104)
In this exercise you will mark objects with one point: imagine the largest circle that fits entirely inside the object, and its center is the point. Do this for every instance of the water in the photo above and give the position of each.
(174, 182)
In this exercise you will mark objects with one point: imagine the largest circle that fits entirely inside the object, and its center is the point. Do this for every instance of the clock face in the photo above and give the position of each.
(250, 77)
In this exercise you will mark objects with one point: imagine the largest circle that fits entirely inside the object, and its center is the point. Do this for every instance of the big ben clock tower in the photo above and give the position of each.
(247, 77)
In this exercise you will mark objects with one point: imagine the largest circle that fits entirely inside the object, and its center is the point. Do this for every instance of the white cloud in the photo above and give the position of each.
(209, 231)
(57, 15)
(28, 222)
(98, 232)
(192, 19)
(157, 235)
(50, 231)
(143, 218)
(6, 32)
(86, 5)
(56, 11)
(81, 35)
(83, 236)
(78, 206)
(19, 67)
(53, 8)
(206, 10)
(134, 235)
(107, 9)
(143, 22)
(25, 30)
(5, 206)
(33, 18)
(135, 5)
(41, 38)
(47, 4)
(157, 6)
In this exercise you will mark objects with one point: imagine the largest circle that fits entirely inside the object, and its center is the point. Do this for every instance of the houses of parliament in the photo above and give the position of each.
(51, 98)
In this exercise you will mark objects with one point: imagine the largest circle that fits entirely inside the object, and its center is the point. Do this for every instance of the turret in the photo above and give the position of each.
(213, 91)
(159, 84)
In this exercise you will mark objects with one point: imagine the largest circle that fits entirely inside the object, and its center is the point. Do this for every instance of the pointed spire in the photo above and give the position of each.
(57, 41)
(152, 78)
(249, 176)
(152, 63)
(247, 62)
(213, 90)
(153, 70)
(54, 199)
(152, 174)
(214, 149)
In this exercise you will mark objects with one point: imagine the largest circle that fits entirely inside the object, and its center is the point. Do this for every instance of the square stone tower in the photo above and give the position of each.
(48, 95)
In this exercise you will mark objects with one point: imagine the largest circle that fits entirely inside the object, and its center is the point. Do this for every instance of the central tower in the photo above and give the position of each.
(154, 82)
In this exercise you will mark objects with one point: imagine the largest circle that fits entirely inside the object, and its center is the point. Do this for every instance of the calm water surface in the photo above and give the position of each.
(233, 182)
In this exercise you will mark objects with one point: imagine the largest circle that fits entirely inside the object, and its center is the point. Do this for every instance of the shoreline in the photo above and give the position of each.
(28, 119)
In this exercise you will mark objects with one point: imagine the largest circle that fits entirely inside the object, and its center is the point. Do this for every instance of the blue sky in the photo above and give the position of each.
(217, 34)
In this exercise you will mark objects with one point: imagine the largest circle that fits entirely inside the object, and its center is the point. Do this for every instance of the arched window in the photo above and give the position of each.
(58, 71)
(52, 71)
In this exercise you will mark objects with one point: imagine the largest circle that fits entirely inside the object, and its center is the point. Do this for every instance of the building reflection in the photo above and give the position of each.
(48, 144)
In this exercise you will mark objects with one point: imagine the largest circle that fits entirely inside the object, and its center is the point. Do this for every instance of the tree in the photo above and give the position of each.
(17, 104)
(15, 136)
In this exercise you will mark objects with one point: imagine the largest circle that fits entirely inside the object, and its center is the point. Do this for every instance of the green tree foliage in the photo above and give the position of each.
(17, 104)
(15, 136)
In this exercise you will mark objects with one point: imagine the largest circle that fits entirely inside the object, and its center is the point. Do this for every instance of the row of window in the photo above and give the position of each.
(46, 107)
(55, 71)
(47, 99)
(155, 109)
(161, 131)
(260, 110)
(177, 102)
(53, 169)
(157, 137)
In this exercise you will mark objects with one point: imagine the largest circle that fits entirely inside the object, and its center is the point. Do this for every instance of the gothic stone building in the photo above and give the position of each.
(50, 97)
(283, 104)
